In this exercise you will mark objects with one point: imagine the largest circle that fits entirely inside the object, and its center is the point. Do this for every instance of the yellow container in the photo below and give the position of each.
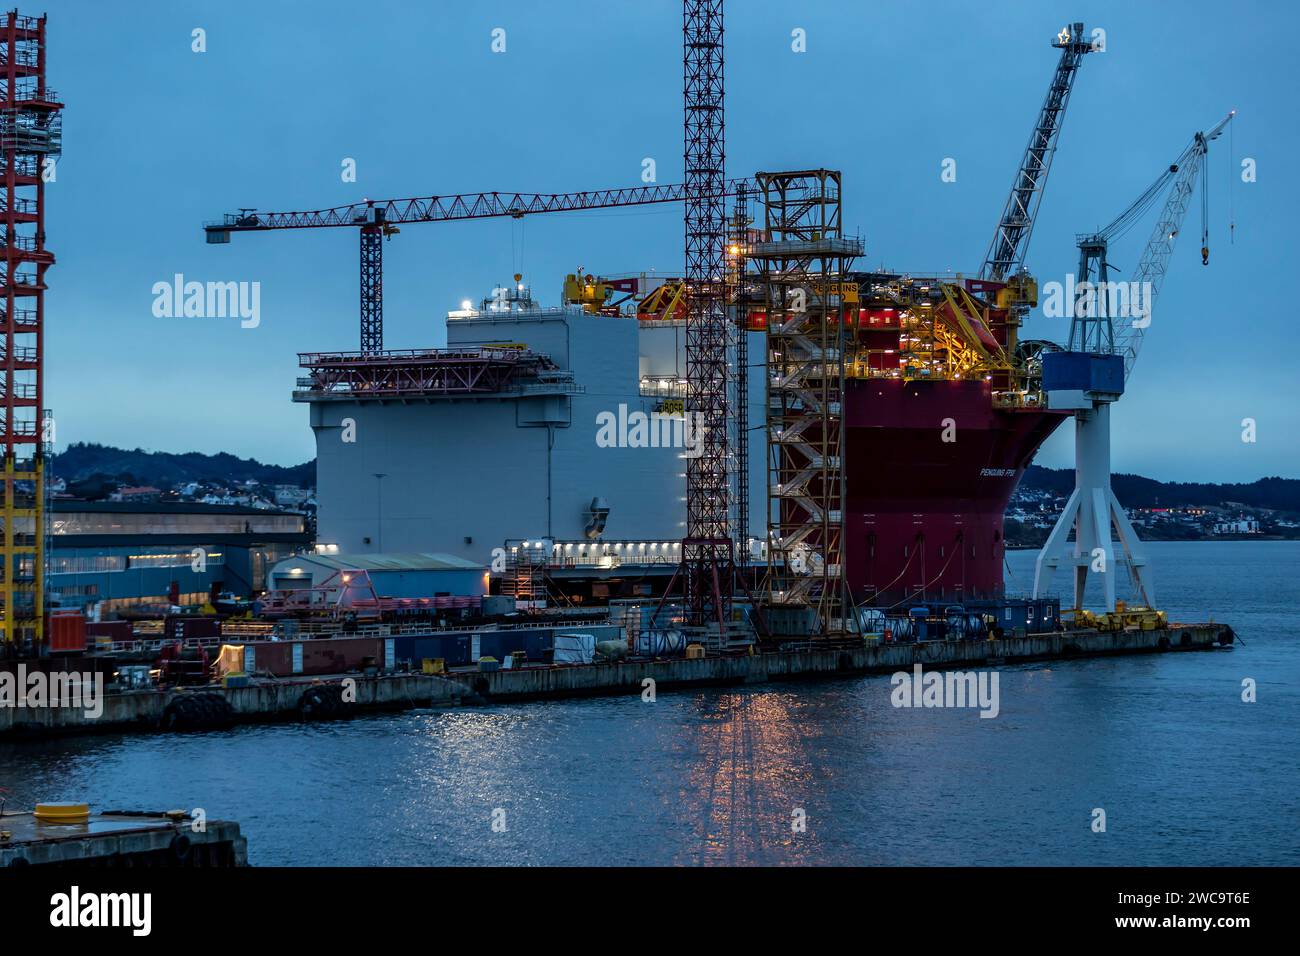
(434, 665)
(695, 652)
(62, 814)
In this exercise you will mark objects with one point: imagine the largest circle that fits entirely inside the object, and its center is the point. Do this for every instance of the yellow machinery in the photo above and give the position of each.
(1121, 619)
(668, 301)
(1021, 290)
(944, 337)
(587, 291)
(595, 294)
(971, 319)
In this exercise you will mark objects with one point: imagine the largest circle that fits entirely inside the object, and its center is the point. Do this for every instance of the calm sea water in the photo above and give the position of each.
(1186, 772)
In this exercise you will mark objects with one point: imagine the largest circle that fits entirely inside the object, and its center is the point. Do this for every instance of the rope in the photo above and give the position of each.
(1232, 216)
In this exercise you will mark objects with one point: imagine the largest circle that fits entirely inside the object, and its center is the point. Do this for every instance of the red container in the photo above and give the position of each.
(183, 626)
(65, 632)
(336, 655)
(113, 630)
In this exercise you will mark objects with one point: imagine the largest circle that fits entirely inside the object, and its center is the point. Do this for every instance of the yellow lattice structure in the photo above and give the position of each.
(22, 584)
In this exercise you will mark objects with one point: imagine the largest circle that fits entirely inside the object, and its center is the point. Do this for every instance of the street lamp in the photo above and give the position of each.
(379, 508)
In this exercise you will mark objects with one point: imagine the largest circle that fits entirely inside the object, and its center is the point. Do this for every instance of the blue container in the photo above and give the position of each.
(538, 644)
(1083, 372)
(452, 648)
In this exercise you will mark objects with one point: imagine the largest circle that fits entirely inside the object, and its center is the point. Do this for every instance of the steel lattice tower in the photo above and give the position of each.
(30, 133)
(737, 253)
(372, 289)
(707, 548)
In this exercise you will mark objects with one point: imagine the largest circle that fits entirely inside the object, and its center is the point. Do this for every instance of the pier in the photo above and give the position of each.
(807, 664)
(121, 838)
(214, 707)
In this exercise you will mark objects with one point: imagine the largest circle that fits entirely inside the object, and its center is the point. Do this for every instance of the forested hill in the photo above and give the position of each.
(1278, 494)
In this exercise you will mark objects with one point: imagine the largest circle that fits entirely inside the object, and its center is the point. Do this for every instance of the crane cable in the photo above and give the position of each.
(1232, 215)
(517, 246)
(1205, 214)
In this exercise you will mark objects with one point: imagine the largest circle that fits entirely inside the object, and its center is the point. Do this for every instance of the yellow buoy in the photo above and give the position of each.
(62, 813)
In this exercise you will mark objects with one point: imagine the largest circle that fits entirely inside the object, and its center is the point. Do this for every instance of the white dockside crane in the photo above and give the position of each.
(1091, 375)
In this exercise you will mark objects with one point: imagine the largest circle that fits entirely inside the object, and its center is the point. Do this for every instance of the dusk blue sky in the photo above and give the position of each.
(159, 138)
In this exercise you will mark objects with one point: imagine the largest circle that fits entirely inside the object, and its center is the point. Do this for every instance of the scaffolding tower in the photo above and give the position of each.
(524, 578)
(737, 244)
(801, 263)
(30, 136)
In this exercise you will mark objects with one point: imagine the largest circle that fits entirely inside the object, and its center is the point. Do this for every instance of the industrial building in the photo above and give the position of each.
(392, 575)
(114, 556)
(534, 423)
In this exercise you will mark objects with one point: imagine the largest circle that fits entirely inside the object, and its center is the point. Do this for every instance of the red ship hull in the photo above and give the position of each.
(923, 514)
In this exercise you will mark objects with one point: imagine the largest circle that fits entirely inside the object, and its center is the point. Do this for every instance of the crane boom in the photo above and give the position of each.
(1083, 532)
(1006, 253)
(1153, 265)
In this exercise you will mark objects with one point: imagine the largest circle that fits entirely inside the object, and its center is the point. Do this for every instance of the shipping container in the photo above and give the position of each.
(1083, 371)
(333, 655)
(112, 630)
(185, 626)
(65, 632)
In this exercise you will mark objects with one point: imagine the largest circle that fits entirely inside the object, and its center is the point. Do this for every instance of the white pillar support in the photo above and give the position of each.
(1091, 512)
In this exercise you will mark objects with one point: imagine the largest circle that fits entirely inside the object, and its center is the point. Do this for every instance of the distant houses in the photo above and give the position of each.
(1238, 526)
(136, 494)
(1032, 513)
(244, 494)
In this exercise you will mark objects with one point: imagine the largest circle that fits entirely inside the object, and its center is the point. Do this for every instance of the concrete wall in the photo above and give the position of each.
(272, 700)
(626, 677)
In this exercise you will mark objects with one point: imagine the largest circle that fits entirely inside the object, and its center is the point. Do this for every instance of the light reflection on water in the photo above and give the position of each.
(1185, 771)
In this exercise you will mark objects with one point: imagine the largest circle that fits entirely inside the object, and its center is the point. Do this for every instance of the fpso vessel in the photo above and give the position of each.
(944, 410)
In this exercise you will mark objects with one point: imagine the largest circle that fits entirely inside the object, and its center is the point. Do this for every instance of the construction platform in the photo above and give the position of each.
(214, 707)
(121, 839)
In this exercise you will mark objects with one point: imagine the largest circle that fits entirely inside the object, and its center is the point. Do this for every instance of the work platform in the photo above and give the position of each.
(121, 839)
